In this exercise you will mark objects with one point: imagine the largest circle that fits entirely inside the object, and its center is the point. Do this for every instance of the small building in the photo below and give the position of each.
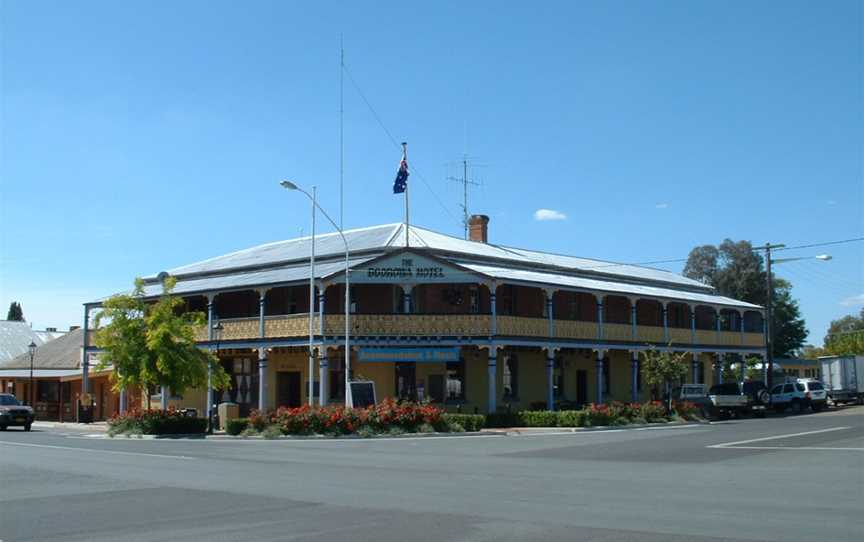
(465, 323)
(56, 377)
(798, 367)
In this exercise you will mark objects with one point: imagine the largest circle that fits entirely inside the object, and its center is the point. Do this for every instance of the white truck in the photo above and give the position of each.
(843, 377)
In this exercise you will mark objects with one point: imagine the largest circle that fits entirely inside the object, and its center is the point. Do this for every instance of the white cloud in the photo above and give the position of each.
(549, 214)
(662, 206)
(853, 300)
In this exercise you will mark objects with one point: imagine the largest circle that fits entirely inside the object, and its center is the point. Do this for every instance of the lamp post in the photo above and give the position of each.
(217, 334)
(288, 185)
(770, 300)
(32, 348)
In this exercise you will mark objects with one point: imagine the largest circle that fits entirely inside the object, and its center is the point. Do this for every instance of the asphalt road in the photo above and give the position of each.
(792, 478)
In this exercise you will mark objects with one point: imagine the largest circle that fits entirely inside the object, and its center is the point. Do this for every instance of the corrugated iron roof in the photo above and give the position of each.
(61, 353)
(15, 338)
(588, 284)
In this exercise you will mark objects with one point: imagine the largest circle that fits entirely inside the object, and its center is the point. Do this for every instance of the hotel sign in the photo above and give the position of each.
(409, 268)
(409, 355)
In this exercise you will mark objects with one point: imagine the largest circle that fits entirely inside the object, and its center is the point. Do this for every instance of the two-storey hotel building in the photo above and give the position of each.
(465, 323)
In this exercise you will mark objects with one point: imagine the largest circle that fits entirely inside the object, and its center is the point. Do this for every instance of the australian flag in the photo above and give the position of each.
(401, 182)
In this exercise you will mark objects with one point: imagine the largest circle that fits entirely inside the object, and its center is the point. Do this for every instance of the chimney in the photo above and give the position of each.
(478, 228)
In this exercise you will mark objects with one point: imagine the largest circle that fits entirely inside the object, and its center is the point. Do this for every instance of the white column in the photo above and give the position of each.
(163, 399)
(407, 290)
(493, 288)
(262, 379)
(492, 377)
(741, 316)
(665, 322)
(550, 378)
(600, 334)
(599, 366)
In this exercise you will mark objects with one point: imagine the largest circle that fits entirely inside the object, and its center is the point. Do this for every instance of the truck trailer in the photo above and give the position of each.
(843, 377)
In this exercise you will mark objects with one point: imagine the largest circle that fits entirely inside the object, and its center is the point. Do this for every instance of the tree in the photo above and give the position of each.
(735, 270)
(846, 336)
(153, 344)
(15, 313)
(663, 368)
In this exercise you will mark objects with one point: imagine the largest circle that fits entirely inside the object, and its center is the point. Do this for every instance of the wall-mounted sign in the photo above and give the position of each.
(361, 394)
(409, 268)
(408, 355)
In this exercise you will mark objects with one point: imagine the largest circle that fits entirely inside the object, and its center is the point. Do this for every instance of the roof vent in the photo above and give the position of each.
(478, 228)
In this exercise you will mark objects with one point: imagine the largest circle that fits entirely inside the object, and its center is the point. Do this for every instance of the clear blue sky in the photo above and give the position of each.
(139, 136)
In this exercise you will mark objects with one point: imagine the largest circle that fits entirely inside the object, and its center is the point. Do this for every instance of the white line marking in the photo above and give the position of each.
(776, 437)
(667, 428)
(93, 450)
(805, 448)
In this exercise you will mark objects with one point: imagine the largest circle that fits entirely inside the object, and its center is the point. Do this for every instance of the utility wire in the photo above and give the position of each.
(393, 139)
(814, 245)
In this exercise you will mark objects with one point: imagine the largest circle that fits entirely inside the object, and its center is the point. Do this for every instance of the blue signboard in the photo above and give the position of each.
(409, 355)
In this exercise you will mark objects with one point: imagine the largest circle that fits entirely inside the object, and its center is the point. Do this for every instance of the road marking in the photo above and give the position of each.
(806, 448)
(776, 437)
(93, 450)
(667, 428)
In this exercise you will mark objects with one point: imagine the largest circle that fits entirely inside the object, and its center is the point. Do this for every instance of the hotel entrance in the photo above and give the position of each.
(288, 389)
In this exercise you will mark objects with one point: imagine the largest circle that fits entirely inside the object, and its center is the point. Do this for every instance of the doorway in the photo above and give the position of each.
(288, 389)
(581, 386)
(406, 381)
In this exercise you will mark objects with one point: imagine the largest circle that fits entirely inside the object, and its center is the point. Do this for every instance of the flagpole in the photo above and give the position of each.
(407, 221)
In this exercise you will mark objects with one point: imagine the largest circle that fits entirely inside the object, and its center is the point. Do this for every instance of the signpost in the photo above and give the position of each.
(362, 394)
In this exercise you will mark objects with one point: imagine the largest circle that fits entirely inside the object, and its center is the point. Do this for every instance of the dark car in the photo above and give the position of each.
(758, 397)
(12, 412)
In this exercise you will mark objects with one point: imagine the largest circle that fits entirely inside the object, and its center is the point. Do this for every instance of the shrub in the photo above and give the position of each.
(271, 432)
(685, 409)
(236, 426)
(572, 418)
(469, 422)
(156, 422)
(598, 415)
(654, 411)
(258, 420)
(539, 418)
(504, 419)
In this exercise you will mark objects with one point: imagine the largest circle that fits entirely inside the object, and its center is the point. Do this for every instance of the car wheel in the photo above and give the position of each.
(795, 407)
(763, 396)
(27, 427)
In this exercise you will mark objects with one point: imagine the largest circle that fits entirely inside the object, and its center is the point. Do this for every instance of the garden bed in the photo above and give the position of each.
(168, 422)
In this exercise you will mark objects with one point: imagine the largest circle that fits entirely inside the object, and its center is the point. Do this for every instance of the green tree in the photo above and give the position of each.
(735, 270)
(153, 344)
(849, 322)
(15, 314)
(663, 368)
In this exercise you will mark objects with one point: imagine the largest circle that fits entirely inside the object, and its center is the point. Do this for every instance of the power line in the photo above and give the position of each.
(393, 139)
(825, 244)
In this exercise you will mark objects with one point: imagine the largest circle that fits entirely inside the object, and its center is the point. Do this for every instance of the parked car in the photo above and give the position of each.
(12, 413)
(696, 394)
(728, 400)
(758, 397)
(799, 395)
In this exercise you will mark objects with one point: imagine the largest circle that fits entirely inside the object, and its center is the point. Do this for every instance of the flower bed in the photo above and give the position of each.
(156, 422)
(592, 415)
(387, 417)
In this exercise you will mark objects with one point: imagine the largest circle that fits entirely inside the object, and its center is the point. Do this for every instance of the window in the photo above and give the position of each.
(788, 388)
(474, 296)
(800, 387)
(336, 389)
(47, 392)
(456, 381)
(777, 389)
(558, 378)
(511, 377)
(815, 386)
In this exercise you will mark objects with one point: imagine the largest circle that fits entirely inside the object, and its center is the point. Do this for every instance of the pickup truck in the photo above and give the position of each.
(727, 400)
(694, 393)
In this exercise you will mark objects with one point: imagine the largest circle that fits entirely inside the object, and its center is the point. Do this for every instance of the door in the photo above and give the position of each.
(406, 381)
(581, 386)
(288, 389)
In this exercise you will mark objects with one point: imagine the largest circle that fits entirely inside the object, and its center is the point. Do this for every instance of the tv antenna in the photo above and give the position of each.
(465, 180)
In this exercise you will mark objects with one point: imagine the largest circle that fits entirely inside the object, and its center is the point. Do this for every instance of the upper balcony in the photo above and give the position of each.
(472, 311)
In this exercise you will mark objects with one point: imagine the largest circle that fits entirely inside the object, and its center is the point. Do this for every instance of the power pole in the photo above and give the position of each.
(769, 344)
(465, 181)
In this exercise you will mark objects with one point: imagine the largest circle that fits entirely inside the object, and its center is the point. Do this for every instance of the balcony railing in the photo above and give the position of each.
(470, 325)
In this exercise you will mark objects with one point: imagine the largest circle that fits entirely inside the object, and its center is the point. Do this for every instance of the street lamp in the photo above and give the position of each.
(217, 335)
(769, 301)
(288, 185)
(32, 348)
